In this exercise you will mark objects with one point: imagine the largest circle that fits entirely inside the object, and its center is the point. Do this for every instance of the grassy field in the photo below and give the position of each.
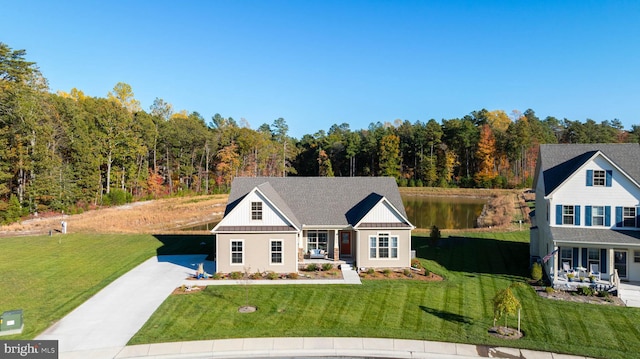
(459, 309)
(47, 277)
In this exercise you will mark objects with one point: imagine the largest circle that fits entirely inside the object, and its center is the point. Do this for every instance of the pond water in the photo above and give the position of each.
(424, 212)
(443, 212)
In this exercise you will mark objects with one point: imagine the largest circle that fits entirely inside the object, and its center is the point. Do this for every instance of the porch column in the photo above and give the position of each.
(336, 248)
(555, 263)
(300, 248)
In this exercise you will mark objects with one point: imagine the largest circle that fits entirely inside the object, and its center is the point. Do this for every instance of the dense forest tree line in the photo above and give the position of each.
(69, 151)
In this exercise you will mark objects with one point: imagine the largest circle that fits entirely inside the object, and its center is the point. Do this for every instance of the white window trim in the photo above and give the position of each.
(635, 213)
(231, 252)
(594, 216)
(377, 247)
(271, 252)
(603, 178)
(566, 259)
(572, 215)
(590, 261)
(261, 211)
(317, 242)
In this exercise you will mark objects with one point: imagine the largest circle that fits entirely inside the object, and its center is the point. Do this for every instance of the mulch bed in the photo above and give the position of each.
(573, 296)
(421, 275)
(505, 332)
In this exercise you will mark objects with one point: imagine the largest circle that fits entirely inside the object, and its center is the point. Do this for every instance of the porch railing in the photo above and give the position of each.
(615, 281)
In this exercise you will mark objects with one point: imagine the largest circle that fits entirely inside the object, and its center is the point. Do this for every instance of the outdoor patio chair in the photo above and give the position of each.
(594, 270)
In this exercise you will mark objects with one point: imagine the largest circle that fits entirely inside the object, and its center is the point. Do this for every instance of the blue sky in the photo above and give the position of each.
(318, 63)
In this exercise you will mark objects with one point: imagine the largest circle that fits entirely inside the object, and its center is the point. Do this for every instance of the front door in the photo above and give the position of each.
(620, 263)
(345, 243)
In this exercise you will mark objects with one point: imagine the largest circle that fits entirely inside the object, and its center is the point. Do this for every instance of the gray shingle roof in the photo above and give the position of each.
(559, 161)
(320, 200)
(592, 235)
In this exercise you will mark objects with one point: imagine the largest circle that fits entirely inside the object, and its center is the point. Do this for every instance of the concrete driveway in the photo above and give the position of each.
(105, 323)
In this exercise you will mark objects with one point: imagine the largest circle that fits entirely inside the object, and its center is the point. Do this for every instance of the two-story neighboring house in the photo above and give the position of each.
(276, 223)
(588, 209)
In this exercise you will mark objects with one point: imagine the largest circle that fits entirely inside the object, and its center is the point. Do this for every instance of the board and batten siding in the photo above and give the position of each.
(576, 192)
(241, 215)
(382, 213)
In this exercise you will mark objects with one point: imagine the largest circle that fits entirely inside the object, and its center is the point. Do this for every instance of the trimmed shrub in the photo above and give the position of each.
(293, 275)
(549, 290)
(327, 267)
(536, 272)
(386, 272)
(407, 272)
(371, 271)
(272, 275)
(312, 267)
(588, 291)
(235, 275)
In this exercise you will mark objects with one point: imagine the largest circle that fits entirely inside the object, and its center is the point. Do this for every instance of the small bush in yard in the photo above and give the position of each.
(235, 275)
(293, 275)
(312, 267)
(217, 275)
(327, 267)
(415, 263)
(407, 273)
(549, 290)
(386, 272)
(272, 275)
(371, 271)
(588, 291)
(536, 272)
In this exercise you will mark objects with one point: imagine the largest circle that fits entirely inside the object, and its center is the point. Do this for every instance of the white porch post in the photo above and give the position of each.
(555, 263)
(336, 248)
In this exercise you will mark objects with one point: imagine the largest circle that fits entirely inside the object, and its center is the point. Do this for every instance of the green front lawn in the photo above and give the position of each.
(47, 277)
(458, 309)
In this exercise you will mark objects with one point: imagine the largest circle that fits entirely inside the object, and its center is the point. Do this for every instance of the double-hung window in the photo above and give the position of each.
(594, 257)
(597, 216)
(237, 252)
(317, 240)
(383, 246)
(567, 215)
(566, 255)
(629, 217)
(599, 178)
(256, 211)
(276, 252)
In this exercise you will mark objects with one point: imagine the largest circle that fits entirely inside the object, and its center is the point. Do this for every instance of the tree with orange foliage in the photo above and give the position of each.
(229, 163)
(486, 157)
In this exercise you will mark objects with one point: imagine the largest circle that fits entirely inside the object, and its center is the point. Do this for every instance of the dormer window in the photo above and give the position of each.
(598, 178)
(256, 211)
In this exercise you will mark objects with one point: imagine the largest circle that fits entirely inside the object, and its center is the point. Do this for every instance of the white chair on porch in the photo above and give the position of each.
(594, 270)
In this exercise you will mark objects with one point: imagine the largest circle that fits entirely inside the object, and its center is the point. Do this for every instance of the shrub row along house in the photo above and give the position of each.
(278, 223)
(587, 210)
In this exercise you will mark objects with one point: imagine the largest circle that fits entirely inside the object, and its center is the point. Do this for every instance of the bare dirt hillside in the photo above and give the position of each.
(158, 216)
(505, 208)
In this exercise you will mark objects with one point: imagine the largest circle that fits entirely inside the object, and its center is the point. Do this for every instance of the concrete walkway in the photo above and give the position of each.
(105, 323)
(630, 294)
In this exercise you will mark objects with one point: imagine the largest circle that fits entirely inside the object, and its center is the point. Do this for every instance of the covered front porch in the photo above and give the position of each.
(609, 255)
(323, 245)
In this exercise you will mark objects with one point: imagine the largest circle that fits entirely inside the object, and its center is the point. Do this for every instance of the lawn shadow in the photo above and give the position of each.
(450, 317)
(187, 250)
(475, 255)
(173, 244)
